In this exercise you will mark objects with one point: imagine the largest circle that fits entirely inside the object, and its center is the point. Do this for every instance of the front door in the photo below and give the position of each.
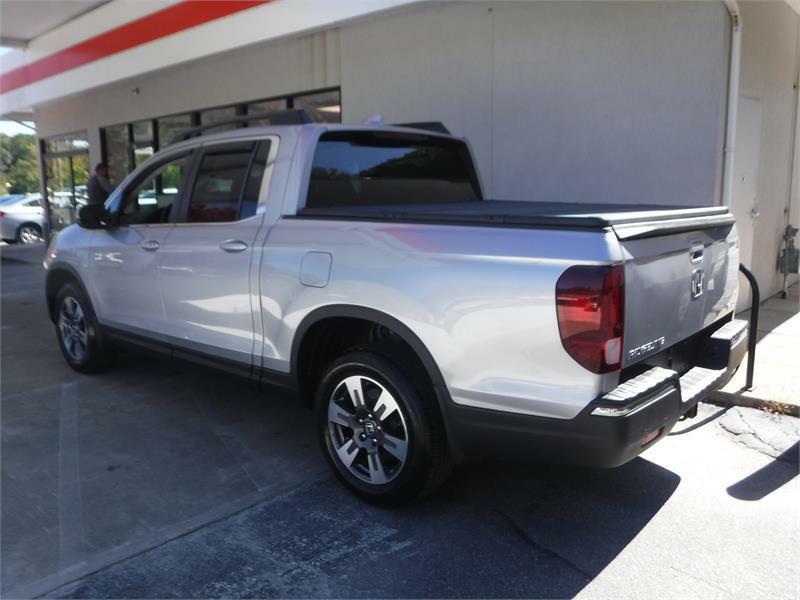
(205, 264)
(124, 258)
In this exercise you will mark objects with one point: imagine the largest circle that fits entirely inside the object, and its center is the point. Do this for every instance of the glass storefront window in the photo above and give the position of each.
(117, 152)
(142, 154)
(143, 133)
(170, 128)
(324, 107)
(66, 178)
(218, 115)
(264, 107)
(151, 135)
(66, 175)
(67, 143)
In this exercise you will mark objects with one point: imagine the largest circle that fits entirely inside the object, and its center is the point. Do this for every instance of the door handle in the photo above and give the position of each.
(150, 245)
(233, 246)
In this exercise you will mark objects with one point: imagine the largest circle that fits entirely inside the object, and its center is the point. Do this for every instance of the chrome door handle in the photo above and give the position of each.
(233, 246)
(150, 245)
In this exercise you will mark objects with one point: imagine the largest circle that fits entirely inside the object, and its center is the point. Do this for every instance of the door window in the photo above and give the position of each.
(253, 187)
(152, 198)
(220, 183)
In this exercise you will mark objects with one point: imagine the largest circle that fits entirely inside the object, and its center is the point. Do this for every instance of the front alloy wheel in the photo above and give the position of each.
(78, 333)
(72, 324)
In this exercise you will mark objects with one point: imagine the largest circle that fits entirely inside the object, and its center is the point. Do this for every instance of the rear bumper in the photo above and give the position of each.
(616, 427)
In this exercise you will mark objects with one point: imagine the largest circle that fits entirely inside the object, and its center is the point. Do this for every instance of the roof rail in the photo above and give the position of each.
(434, 126)
(296, 116)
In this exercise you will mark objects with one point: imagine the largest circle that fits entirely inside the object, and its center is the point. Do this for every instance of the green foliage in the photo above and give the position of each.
(19, 165)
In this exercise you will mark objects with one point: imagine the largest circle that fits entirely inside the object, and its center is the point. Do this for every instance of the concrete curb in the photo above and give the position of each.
(729, 399)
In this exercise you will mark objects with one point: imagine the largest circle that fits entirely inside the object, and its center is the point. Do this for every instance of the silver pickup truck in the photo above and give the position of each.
(363, 268)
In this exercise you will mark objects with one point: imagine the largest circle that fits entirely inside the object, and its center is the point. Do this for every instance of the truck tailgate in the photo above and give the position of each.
(677, 281)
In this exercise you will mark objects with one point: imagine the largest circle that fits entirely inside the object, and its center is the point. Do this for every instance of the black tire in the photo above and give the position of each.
(29, 233)
(98, 355)
(427, 459)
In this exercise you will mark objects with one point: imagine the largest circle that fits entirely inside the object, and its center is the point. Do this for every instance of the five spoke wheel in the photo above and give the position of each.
(367, 429)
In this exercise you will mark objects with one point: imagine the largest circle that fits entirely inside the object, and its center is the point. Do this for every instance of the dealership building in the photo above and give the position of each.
(663, 103)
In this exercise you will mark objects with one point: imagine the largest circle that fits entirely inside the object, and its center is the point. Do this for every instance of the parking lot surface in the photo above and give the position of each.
(161, 479)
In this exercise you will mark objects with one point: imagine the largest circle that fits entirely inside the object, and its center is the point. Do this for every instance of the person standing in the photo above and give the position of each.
(99, 187)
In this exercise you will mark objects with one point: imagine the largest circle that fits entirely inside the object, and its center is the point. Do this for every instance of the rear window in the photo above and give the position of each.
(373, 168)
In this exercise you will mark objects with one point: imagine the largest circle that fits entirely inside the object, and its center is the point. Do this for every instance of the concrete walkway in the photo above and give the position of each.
(776, 376)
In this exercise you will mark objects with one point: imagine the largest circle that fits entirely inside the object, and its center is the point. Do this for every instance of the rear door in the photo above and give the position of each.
(204, 265)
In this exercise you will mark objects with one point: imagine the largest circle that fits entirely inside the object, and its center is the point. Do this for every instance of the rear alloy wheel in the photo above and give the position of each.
(29, 234)
(382, 436)
(367, 429)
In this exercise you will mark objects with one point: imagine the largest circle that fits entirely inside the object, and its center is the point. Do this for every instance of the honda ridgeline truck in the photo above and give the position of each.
(363, 268)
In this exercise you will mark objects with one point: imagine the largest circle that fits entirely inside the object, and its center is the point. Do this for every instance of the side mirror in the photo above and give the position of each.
(93, 216)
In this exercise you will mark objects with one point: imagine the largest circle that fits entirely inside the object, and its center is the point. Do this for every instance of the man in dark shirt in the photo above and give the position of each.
(99, 186)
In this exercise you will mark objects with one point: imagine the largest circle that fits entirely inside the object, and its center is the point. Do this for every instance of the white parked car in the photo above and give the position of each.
(22, 218)
(363, 268)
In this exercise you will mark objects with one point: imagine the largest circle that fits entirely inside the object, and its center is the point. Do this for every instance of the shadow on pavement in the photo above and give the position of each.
(495, 530)
(768, 478)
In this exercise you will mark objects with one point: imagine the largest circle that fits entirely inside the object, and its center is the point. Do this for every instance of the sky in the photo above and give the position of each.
(14, 128)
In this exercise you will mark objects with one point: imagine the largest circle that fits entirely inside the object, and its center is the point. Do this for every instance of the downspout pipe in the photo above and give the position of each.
(733, 101)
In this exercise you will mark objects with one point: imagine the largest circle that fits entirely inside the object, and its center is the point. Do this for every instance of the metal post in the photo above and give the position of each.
(752, 328)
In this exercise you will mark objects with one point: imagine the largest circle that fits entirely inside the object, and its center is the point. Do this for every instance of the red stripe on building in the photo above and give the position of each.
(181, 16)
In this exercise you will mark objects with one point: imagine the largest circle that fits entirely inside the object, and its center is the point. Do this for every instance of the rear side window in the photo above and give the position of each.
(219, 183)
(374, 168)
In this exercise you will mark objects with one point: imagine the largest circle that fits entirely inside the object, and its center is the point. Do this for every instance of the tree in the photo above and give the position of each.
(19, 165)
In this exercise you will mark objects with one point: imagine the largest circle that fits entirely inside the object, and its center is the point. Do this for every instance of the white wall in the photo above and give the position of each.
(286, 66)
(566, 101)
(770, 37)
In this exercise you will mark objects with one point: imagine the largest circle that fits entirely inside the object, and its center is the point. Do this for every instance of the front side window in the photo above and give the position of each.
(355, 168)
(152, 198)
(219, 184)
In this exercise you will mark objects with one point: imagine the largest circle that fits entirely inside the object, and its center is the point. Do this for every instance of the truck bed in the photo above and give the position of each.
(627, 220)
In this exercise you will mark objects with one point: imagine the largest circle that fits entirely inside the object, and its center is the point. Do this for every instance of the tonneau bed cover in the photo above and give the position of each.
(628, 221)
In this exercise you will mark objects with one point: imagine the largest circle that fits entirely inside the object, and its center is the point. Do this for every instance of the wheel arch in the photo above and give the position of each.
(369, 315)
(58, 275)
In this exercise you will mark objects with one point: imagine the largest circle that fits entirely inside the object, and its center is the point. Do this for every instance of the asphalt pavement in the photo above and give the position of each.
(161, 479)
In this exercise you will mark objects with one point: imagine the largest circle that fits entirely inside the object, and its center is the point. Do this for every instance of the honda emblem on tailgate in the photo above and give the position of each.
(697, 283)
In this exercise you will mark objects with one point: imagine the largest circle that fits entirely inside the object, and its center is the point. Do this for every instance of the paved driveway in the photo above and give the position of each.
(161, 479)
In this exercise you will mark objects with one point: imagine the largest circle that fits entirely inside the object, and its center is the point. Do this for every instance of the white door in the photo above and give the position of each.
(124, 258)
(744, 202)
(204, 266)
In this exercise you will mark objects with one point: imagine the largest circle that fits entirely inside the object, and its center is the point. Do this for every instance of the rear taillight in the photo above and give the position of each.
(590, 303)
(2, 214)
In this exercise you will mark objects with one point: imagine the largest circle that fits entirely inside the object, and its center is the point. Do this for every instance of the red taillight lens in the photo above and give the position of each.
(590, 302)
(2, 214)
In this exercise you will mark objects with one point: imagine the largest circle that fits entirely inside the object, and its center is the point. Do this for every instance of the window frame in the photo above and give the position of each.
(190, 153)
(266, 178)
